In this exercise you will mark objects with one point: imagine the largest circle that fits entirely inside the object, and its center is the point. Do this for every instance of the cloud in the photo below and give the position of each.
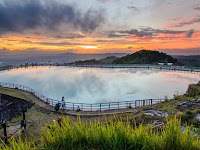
(197, 8)
(70, 36)
(105, 41)
(51, 43)
(130, 47)
(31, 15)
(190, 33)
(183, 22)
(104, 1)
(187, 51)
(132, 8)
(142, 32)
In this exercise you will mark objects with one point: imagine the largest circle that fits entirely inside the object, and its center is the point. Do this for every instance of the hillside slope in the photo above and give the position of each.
(145, 57)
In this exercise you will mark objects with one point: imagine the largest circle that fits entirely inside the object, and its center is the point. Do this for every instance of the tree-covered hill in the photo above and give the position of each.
(145, 57)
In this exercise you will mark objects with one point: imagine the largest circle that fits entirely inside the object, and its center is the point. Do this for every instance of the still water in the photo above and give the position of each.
(93, 85)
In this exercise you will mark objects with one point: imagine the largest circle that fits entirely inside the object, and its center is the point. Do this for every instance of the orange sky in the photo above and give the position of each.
(95, 45)
(101, 26)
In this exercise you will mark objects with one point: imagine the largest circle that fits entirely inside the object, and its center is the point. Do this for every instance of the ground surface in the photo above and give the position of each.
(41, 113)
(37, 117)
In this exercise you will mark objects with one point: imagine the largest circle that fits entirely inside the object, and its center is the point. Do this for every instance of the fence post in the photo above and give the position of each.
(143, 102)
(100, 107)
(151, 102)
(109, 106)
(135, 103)
(91, 107)
(118, 105)
(73, 106)
(82, 107)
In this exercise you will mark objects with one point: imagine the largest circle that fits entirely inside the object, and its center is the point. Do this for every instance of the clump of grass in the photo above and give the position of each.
(18, 144)
(118, 135)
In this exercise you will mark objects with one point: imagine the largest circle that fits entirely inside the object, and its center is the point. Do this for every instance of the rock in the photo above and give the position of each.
(157, 122)
(156, 113)
(186, 104)
(197, 117)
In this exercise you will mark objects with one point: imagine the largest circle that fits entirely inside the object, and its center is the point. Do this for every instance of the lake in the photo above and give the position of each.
(95, 85)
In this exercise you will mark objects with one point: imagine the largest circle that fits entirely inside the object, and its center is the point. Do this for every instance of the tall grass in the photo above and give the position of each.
(111, 135)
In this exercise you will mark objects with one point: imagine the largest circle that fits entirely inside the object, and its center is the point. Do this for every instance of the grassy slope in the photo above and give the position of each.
(145, 57)
(13, 93)
(36, 117)
(81, 137)
(111, 135)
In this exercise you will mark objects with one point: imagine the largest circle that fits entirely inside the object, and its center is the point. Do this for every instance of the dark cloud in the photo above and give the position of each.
(57, 44)
(52, 43)
(70, 36)
(132, 8)
(187, 51)
(104, 1)
(197, 8)
(130, 47)
(143, 32)
(190, 33)
(158, 31)
(105, 41)
(136, 32)
(32, 14)
(189, 21)
(116, 34)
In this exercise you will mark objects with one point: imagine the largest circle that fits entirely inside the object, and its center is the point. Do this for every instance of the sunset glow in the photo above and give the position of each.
(101, 26)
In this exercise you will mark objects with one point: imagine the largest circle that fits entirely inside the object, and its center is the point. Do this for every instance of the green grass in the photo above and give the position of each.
(13, 93)
(110, 135)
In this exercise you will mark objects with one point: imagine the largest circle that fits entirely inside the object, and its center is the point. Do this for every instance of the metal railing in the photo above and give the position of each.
(128, 66)
(156, 67)
(84, 106)
(98, 106)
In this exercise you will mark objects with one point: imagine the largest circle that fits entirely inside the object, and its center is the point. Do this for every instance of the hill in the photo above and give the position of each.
(145, 57)
(107, 60)
(189, 61)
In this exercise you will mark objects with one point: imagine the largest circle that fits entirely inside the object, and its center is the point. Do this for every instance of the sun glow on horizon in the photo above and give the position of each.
(88, 47)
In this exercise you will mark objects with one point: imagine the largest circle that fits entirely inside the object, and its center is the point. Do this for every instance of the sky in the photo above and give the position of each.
(100, 26)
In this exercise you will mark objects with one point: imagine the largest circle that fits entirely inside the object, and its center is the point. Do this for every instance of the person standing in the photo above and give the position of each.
(63, 104)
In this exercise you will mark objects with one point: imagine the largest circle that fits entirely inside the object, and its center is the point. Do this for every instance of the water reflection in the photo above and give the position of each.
(100, 85)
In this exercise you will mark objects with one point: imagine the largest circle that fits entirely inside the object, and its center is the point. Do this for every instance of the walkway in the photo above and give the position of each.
(70, 112)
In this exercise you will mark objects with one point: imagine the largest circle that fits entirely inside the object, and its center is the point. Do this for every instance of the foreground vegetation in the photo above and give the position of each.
(110, 135)
(125, 131)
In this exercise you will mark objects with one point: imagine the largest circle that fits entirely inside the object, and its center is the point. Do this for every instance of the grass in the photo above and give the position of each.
(13, 93)
(110, 135)
(113, 134)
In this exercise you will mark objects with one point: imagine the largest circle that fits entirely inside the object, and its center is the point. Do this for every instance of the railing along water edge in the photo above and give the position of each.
(84, 106)
(96, 106)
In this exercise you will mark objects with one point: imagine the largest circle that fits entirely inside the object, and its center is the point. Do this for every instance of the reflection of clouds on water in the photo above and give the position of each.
(100, 85)
(177, 76)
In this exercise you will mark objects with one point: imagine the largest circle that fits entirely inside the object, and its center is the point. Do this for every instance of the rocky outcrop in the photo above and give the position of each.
(193, 90)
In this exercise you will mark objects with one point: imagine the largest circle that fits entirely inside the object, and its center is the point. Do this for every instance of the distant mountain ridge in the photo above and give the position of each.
(146, 57)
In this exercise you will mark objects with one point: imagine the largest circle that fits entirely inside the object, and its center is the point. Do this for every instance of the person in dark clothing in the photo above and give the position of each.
(57, 106)
(23, 124)
(63, 104)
